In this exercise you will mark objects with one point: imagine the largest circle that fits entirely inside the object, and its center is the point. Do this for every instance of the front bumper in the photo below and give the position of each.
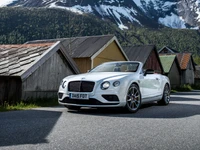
(99, 100)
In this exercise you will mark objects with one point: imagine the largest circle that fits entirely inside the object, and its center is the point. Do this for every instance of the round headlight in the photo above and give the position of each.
(116, 83)
(105, 85)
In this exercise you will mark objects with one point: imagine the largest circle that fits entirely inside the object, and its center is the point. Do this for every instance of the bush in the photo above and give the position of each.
(183, 88)
(196, 86)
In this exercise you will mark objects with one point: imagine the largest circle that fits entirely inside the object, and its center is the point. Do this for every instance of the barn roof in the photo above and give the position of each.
(86, 46)
(89, 46)
(16, 59)
(184, 59)
(23, 59)
(139, 52)
(171, 50)
(167, 62)
(142, 53)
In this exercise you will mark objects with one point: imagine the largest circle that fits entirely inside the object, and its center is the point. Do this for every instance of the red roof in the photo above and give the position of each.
(184, 59)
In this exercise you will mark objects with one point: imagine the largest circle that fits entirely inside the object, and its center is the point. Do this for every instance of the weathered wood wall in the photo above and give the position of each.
(10, 89)
(174, 75)
(188, 74)
(153, 63)
(45, 81)
(197, 75)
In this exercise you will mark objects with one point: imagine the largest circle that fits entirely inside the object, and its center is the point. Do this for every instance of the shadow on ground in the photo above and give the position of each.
(26, 127)
(152, 110)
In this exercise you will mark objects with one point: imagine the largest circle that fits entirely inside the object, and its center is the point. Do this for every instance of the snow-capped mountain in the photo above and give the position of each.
(150, 13)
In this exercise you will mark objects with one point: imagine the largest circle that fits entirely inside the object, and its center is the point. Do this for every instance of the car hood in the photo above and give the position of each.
(96, 76)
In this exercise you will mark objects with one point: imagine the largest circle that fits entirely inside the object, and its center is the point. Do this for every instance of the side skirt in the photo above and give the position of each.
(151, 99)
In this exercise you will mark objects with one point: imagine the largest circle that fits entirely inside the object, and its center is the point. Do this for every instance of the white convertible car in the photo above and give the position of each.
(114, 84)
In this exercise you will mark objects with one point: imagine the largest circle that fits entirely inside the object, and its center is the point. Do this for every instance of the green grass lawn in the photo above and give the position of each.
(30, 104)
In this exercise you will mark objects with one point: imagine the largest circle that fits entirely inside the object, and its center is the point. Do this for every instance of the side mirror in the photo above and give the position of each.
(148, 71)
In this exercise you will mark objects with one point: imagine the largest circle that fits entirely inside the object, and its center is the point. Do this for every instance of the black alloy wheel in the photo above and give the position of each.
(133, 98)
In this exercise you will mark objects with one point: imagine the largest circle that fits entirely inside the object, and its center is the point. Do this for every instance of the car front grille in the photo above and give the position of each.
(81, 86)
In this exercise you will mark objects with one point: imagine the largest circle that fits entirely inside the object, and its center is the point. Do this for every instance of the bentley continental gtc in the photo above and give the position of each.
(114, 84)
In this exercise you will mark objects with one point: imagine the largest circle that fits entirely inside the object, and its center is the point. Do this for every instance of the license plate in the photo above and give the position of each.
(78, 96)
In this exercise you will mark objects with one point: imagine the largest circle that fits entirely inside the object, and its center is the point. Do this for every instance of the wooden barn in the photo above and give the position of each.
(33, 70)
(90, 51)
(146, 54)
(171, 69)
(186, 62)
(187, 68)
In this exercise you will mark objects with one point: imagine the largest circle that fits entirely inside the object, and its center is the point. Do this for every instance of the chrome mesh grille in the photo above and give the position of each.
(81, 86)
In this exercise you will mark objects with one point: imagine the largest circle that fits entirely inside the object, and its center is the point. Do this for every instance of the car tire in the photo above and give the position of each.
(72, 107)
(133, 98)
(166, 96)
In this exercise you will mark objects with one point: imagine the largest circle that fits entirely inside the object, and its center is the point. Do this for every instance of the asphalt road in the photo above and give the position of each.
(174, 127)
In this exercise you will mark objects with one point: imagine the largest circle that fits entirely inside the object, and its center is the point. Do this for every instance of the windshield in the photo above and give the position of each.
(117, 67)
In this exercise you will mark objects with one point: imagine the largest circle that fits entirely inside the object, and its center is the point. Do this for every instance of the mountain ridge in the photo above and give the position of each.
(178, 14)
(19, 25)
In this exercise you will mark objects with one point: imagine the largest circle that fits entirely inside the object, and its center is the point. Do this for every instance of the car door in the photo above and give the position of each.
(150, 84)
(158, 84)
